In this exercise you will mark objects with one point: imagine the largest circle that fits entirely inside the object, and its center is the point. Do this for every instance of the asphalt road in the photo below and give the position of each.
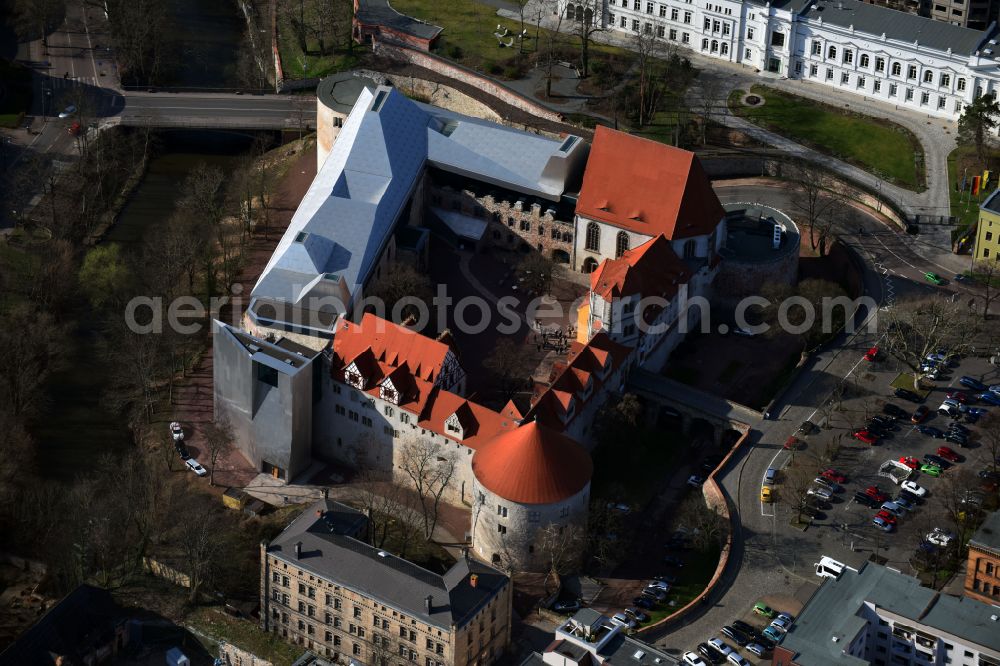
(773, 559)
(218, 110)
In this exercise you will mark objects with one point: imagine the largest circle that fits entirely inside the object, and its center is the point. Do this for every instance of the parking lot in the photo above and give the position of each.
(844, 528)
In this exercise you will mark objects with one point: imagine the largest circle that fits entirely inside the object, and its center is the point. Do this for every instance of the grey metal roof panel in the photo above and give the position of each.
(329, 553)
(988, 534)
(966, 618)
(379, 12)
(896, 25)
(624, 650)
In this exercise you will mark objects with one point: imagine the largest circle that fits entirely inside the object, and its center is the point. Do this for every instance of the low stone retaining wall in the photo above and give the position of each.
(452, 70)
(716, 499)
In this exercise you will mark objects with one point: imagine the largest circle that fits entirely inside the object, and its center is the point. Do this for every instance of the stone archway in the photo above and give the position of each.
(560, 256)
(589, 265)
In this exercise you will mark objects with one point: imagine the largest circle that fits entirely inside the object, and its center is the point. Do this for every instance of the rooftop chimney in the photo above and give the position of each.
(298, 550)
(429, 603)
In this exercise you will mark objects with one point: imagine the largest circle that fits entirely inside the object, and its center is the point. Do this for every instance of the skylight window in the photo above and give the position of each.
(379, 101)
(301, 237)
(568, 143)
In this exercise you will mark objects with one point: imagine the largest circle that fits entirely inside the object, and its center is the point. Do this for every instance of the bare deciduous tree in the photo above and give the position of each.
(918, 328)
(219, 439)
(429, 468)
(986, 272)
(560, 547)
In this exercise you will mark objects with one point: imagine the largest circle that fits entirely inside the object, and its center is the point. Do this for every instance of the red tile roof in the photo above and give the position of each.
(391, 344)
(479, 424)
(647, 187)
(652, 269)
(533, 465)
(599, 356)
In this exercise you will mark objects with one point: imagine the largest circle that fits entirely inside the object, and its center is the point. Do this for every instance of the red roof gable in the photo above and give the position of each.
(647, 187)
(391, 344)
(652, 269)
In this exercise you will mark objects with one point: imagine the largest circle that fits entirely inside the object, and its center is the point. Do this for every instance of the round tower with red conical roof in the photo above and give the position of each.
(525, 480)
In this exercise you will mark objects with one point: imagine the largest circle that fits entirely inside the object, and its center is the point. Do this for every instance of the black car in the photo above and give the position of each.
(886, 421)
(736, 635)
(862, 498)
(907, 395)
(710, 653)
(909, 497)
(936, 433)
(957, 438)
(894, 411)
(937, 460)
(972, 383)
(878, 429)
(989, 475)
(812, 512)
(958, 427)
(643, 602)
(746, 628)
(182, 450)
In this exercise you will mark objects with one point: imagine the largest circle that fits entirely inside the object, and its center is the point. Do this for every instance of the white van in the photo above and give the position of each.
(827, 567)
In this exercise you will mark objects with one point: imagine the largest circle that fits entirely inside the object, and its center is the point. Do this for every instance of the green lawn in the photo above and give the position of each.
(468, 36)
(691, 582)
(295, 65)
(874, 144)
(964, 161)
(15, 93)
(245, 634)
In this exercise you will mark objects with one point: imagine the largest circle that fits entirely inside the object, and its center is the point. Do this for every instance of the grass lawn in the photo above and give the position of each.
(468, 35)
(691, 582)
(633, 470)
(298, 65)
(964, 161)
(874, 144)
(905, 381)
(244, 634)
(15, 93)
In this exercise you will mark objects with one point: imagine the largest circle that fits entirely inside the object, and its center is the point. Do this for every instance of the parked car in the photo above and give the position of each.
(958, 396)
(905, 502)
(182, 450)
(894, 509)
(67, 112)
(792, 444)
(193, 465)
(637, 615)
(824, 482)
(886, 516)
(737, 659)
(833, 475)
(948, 454)
(940, 537)
(872, 354)
(781, 623)
(736, 635)
(691, 659)
(660, 585)
(894, 411)
(821, 492)
(957, 438)
(906, 394)
(934, 278)
(862, 498)
(773, 635)
(655, 593)
(909, 461)
(710, 653)
(971, 383)
(757, 649)
(881, 524)
(644, 602)
(930, 470)
(913, 487)
(936, 460)
(176, 431)
(876, 494)
(920, 414)
(958, 427)
(990, 398)
(746, 628)
(720, 646)
(866, 437)
(936, 433)
(566, 606)
(760, 608)
(623, 620)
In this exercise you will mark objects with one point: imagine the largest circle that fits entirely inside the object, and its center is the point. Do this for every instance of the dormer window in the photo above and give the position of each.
(354, 379)
(453, 426)
(388, 392)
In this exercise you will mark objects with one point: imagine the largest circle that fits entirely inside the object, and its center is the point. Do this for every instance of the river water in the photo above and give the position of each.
(76, 427)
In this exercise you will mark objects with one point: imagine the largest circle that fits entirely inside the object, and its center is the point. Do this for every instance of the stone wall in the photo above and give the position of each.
(513, 221)
(487, 85)
(736, 280)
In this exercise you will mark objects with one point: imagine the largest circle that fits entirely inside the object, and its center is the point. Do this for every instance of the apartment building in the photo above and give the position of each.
(894, 56)
(982, 575)
(880, 616)
(325, 588)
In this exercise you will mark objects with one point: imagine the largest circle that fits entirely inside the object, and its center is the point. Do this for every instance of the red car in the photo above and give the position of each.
(835, 476)
(871, 354)
(958, 396)
(876, 494)
(910, 461)
(792, 443)
(948, 454)
(74, 129)
(866, 437)
(886, 516)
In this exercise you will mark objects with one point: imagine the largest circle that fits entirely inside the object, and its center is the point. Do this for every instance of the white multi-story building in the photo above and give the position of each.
(893, 56)
(880, 616)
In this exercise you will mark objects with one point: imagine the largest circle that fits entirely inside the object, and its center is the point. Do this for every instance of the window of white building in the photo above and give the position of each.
(896, 69)
(960, 84)
(777, 39)
(749, 33)
(813, 70)
(909, 94)
(673, 14)
(663, 11)
(844, 78)
(687, 17)
(831, 53)
(861, 82)
(928, 76)
(879, 64)
(924, 97)
(673, 34)
(911, 72)
(945, 79)
(817, 48)
(865, 60)
(848, 57)
(877, 85)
